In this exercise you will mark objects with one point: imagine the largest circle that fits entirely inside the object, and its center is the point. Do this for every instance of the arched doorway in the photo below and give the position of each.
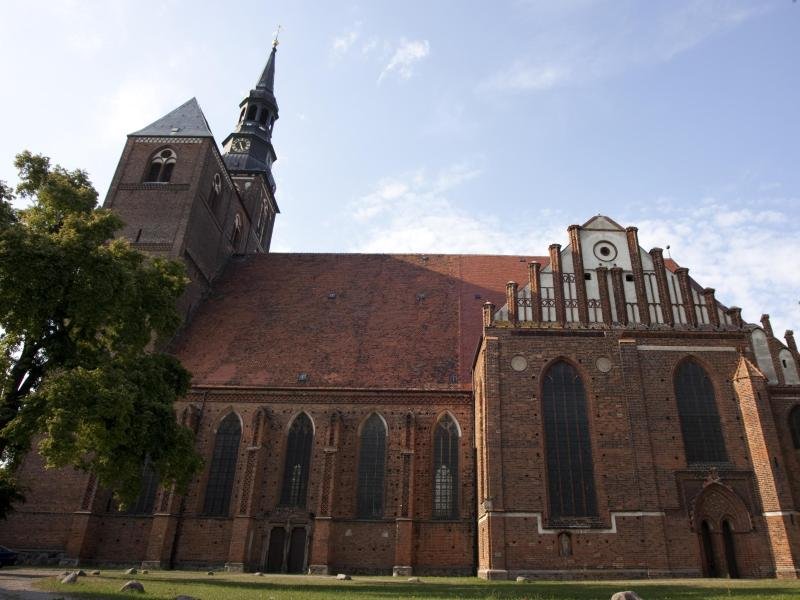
(296, 559)
(277, 541)
(286, 549)
(721, 520)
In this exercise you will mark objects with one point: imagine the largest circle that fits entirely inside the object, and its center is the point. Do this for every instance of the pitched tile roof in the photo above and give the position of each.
(187, 120)
(346, 320)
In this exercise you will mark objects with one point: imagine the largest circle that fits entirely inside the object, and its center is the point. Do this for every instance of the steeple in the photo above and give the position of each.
(248, 149)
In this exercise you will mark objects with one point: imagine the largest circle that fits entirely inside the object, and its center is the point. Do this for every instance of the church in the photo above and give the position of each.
(589, 411)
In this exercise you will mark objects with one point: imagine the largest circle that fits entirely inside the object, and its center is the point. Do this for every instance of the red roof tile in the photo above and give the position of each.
(396, 321)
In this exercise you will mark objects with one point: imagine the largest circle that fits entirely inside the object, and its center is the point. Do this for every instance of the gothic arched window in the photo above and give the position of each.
(251, 112)
(697, 408)
(223, 467)
(371, 467)
(216, 189)
(298, 459)
(570, 472)
(147, 491)
(445, 469)
(794, 426)
(161, 166)
(236, 235)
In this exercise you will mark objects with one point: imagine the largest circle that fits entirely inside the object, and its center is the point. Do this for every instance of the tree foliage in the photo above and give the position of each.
(81, 314)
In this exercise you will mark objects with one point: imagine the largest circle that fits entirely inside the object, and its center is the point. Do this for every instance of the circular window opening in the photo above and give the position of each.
(605, 251)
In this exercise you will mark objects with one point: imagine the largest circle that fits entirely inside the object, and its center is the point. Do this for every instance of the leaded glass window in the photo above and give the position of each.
(445, 469)
(223, 467)
(697, 408)
(298, 459)
(147, 491)
(794, 425)
(161, 166)
(371, 468)
(570, 472)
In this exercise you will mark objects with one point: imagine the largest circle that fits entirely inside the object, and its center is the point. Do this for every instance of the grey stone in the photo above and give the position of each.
(210, 573)
(626, 596)
(522, 579)
(70, 578)
(145, 571)
(132, 586)
(414, 580)
(343, 577)
(258, 574)
(130, 571)
(95, 573)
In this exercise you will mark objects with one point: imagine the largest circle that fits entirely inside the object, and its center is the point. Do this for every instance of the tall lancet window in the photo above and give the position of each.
(794, 426)
(223, 467)
(298, 459)
(697, 408)
(445, 469)
(371, 468)
(570, 472)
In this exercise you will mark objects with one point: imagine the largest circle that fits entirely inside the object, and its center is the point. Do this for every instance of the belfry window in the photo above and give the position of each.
(251, 112)
(216, 188)
(161, 166)
(794, 426)
(262, 118)
(371, 468)
(298, 460)
(697, 408)
(223, 467)
(445, 469)
(570, 472)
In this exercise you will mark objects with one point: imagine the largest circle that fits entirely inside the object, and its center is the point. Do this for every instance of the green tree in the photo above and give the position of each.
(81, 314)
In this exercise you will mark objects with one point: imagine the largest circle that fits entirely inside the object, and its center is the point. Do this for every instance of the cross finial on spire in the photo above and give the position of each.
(275, 41)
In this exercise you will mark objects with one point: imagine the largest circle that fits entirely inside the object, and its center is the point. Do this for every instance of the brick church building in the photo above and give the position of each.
(590, 412)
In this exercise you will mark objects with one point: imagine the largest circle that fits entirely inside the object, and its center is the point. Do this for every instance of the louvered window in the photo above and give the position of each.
(794, 425)
(223, 467)
(570, 472)
(445, 469)
(147, 491)
(298, 459)
(700, 425)
(371, 468)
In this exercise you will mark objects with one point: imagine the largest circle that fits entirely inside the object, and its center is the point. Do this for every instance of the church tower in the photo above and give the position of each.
(181, 198)
(249, 154)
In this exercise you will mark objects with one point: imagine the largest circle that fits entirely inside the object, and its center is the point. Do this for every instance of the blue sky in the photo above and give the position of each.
(481, 127)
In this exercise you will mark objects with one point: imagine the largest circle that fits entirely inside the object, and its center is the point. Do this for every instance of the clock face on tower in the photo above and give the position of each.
(240, 145)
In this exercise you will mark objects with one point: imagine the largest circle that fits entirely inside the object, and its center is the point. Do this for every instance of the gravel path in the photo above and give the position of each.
(17, 584)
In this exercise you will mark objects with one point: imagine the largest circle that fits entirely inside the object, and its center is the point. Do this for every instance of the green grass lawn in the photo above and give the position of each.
(165, 585)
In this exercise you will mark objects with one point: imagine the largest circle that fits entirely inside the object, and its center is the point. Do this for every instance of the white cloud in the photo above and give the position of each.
(406, 55)
(341, 44)
(598, 42)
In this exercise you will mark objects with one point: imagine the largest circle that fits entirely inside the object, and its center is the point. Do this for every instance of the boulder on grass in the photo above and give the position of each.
(258, 573)
(414, 580)
(626, 596)
(210, 573)
(131, 571)
(70, 578)
(95, 573)
(343, 577)
(522, 579)
(132, 586)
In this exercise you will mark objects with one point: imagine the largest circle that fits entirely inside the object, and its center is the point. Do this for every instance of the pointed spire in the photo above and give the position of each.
(747, 370)
(267, 80)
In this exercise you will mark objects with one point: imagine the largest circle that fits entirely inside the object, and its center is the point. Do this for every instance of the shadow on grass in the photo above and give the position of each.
(430, 588)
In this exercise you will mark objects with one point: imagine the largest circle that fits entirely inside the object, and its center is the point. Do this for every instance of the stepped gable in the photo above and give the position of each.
(411, 321)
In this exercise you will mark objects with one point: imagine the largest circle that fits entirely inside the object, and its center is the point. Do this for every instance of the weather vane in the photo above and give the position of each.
(275, 41)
